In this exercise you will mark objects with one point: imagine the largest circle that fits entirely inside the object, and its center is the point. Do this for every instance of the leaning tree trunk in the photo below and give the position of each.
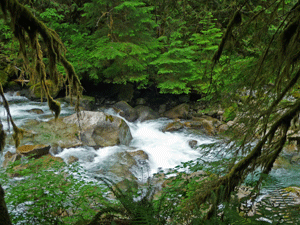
(4, 216)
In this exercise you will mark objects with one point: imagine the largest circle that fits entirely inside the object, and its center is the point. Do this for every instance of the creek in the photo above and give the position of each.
(164, 149)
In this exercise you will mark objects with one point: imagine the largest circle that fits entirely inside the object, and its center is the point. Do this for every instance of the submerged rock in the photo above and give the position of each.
(36, 111)
(72, 159)
(193, 143)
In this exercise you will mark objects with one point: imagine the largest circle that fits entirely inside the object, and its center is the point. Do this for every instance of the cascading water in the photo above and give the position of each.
(164, 149)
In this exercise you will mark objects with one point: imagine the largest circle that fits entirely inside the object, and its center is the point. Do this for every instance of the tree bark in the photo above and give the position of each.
(4, 216)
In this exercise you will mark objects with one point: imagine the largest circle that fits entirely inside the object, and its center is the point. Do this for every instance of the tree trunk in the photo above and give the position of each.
(4, 216)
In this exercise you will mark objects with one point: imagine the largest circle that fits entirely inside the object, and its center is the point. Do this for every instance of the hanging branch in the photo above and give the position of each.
(27, 29)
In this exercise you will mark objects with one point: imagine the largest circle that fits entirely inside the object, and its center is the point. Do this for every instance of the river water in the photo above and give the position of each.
(165, 150)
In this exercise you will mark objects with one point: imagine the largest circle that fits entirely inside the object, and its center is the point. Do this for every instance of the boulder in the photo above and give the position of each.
(290, 149)
(222, 128)
(295, 159)
(203, 125)
(72, 159)
(193, 143)
(55, 133)
(215, 122)
(181, 111)
(146, 113)
(139, 155)
(282, 162)
(162, 109)
(122, 165)
(126, 111)
(140, 101)
(173, 126)
(86, 102)
(99, 129)
(33, 151)
(36, 111)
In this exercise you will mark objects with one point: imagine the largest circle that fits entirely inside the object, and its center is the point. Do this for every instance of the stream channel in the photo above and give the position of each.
(164, 149)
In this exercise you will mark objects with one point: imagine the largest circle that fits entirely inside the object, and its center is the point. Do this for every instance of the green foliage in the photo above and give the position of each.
(121, 48)
(186, 65)
(230, 113)
(49, 195)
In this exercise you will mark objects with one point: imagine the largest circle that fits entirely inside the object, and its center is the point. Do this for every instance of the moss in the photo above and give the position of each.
(37, 90)
(110, 118)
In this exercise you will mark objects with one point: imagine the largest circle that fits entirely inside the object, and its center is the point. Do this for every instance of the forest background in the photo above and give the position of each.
(164, 44)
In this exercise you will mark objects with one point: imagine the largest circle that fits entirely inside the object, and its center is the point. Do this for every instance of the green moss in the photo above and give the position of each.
(36, 89)
(230, 113)
(110, 118)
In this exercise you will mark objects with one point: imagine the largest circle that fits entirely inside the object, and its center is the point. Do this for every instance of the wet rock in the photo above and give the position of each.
(290, 149)
(193, 143)
(243, 191)
(122, 165)
(230, 123)
(222, 128)
(295, 137)
(180, 111)
(215, 122)
(86, 102)
(203, 125)
(55, 149)
(295, 159)
(162, 109)
(282, 162)
(36, 111)
(100, 129)
(126, 111)
(173, 126)
(33, 151)
(10, 158)
(139, 154)
(146, 113)
(294, 193)
(72, 159)
(140, 101)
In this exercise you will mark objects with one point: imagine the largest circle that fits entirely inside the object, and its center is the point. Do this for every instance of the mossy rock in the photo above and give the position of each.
(52, 87)
(86, 102)
(51, 132)
(282, 162)
(35, 151)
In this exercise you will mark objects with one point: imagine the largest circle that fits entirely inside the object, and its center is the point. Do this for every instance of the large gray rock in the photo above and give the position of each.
(126, 111)
(181, 111)
(99, 129)
(146, 113)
